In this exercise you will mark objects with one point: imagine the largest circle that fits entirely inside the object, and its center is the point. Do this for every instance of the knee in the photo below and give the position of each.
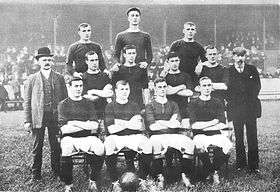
(67, 147)
(99, 148)
(146, 146)
(110, 146)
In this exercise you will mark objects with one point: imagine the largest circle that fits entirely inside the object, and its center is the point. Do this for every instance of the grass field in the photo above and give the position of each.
(15, 160)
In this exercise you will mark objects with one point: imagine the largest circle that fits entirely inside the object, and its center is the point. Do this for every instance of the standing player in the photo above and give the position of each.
(179, 87)
(244, 107)
(78, 124)
(189, 51)
(134, 36)
(132, 73)
(215, 71)
(124, 124)
(97, 85)
(76, 53)
(164, 121)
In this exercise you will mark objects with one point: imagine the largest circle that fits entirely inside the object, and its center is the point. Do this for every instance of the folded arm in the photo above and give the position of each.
(219, 86)
(204, 124)
(105, 92)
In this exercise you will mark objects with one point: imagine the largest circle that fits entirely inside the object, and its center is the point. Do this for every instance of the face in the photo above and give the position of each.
(239, 59)
(205, 87)
(130, 55)
(76, 88)
(174, 63)
(160, 89)
(189, 31)
(85, 32)
(45, 62)
(93, 62)
(122, 91)
(134, 17)
(211, 55)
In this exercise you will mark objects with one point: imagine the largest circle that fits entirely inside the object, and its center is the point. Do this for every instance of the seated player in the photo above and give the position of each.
(125, 127)
(78, 124)
(133, 73)
(179, 87)
(164, 121)
(207, 118)
(97, 84)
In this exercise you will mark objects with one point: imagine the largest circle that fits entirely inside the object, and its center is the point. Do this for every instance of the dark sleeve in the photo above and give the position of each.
(192, 112)
(102, 65)
(220, 111)
(173, 47)
(150, 114)
(202, 54)
(256, 82)
(70, 59)
(63, 88)
(27, 101)
(109, 115)
(144, 78)
(85, 84)
(176, 111)
(62, 116)
(136, 109)
(107, 80)
(91, 111)
(118, 48)
(188, 82)
(149, 50)
(225, 76)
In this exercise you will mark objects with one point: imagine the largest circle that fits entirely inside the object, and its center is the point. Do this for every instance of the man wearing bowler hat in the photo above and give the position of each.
(43, 91)
(244, 108)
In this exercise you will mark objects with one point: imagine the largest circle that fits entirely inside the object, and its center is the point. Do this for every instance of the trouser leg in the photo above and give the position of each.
(157, 167)
(253, 152)
(38, 137)
(144, 165)
(129, 159)
(96, 163)
(66, 170)
(111, 163)
(239, 144)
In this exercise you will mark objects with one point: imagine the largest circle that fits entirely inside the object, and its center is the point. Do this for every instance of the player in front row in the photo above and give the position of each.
(207, 118)
(124, 124)
(164, 121)
(79, 127)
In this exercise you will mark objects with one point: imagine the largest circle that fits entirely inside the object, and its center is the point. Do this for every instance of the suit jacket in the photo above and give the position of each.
(242, 94)
(34, 97)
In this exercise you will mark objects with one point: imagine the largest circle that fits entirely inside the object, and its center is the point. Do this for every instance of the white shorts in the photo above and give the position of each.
(203, 141)
(136, 142)
(90, 144)
(177, 141)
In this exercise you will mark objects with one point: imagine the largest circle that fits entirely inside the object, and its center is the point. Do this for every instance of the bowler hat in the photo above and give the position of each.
(240, 51)
(43, 52)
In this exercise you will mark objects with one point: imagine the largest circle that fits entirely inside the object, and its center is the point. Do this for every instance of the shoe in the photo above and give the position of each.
(216, 179)
(186, 181)
(92, 187)
(69, 188)
(160, 182)
(116, 186)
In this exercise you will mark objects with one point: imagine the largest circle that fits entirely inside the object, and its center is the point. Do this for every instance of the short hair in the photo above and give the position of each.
(83, 25)
(128, 47)
(90, 53)
(159, 80)
(121, 82)
(190, 24)
(133, 9)
(239, 51)
(209, 47)
(171, 55)
(72, 79)
(204, 78)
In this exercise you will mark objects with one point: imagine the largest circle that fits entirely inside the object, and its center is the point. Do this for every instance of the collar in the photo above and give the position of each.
(174, 72)
(84, 42)
(133, 30)
(161, 100)
(205, 98)
(236, 66)
(187, 40)
(93, 72)
(210, 65)
(46, 73)
(129, 65)
(122, 102)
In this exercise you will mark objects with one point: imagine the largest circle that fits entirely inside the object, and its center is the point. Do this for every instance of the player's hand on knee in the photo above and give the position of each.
(28, 127)
(115, 67)
(143, 65)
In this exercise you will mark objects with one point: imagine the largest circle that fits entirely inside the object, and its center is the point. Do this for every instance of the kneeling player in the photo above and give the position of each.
(207, 118)
(164, 120)
(124, 124)
(78, 125)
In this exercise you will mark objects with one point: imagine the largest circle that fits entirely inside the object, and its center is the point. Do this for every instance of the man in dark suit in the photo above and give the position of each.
(43, 91)
(244, 108)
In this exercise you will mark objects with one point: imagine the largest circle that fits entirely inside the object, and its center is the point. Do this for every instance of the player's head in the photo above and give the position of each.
(129, 181)
(205, 85)
(92, 60)
(239, 55)
(133, 15)
(129, 53)
(122, 90)
(211, 54)
(173, 60)
(44, 58)
(84, 31)
(160, 87)
(75, 87)
(189, 30)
